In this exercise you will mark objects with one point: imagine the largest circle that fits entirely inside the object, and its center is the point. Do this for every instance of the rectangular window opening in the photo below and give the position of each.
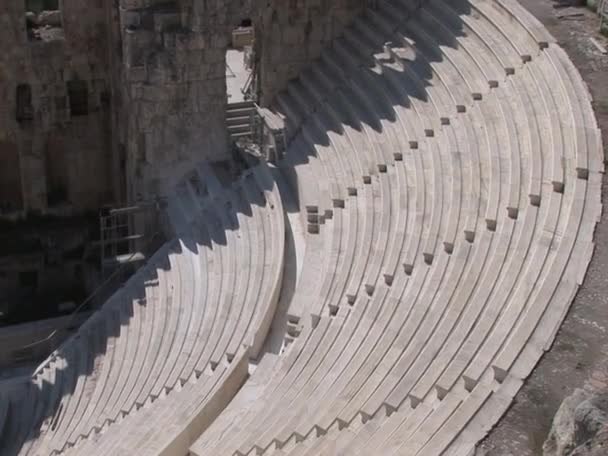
(43, 20)
(24, 111)
(11, 197)
(78, 94)
(56, 167)
(28, 279)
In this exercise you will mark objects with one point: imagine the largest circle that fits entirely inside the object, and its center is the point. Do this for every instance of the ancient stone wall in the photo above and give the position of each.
(292, 33)
(174, 64)
(54, 115)
(108, 101)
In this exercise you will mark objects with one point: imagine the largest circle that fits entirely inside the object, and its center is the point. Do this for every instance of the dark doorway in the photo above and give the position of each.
(78, 94)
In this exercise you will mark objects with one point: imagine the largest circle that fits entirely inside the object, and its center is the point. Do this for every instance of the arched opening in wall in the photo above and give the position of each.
(240, 81)
(11, 196)
(43, 20)
(240, 63)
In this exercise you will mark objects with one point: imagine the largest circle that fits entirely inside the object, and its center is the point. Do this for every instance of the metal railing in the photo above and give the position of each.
(248, 89)
(117, 229)
(270, 139)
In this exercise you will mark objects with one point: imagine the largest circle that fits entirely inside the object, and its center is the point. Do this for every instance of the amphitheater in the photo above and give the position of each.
(442, 183)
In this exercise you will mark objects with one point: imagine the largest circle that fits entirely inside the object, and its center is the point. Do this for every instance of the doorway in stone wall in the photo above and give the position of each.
(240, 63)
(240, 82)
(43, 20)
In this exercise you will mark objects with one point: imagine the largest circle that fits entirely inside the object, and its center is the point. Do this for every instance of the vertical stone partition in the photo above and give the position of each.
(174, 89)
(45, 45)
(293, 33)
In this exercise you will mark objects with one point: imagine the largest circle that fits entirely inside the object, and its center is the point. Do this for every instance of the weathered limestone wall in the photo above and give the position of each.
(39, 133)
(108, 101)
(174, 64)
(154, 76)
(292, 33)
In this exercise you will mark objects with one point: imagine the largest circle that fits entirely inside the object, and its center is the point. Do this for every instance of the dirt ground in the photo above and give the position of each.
(579, 356)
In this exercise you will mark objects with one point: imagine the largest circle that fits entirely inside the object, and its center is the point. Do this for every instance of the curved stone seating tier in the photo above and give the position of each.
(15, 411)
(480, 151)
(447, 165)
(181, 320)
(167, 426)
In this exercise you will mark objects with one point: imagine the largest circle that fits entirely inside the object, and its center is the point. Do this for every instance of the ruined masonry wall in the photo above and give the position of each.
(54, 158)
(174, 63)
(154, 73)
(174, 87)
(293, 33)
